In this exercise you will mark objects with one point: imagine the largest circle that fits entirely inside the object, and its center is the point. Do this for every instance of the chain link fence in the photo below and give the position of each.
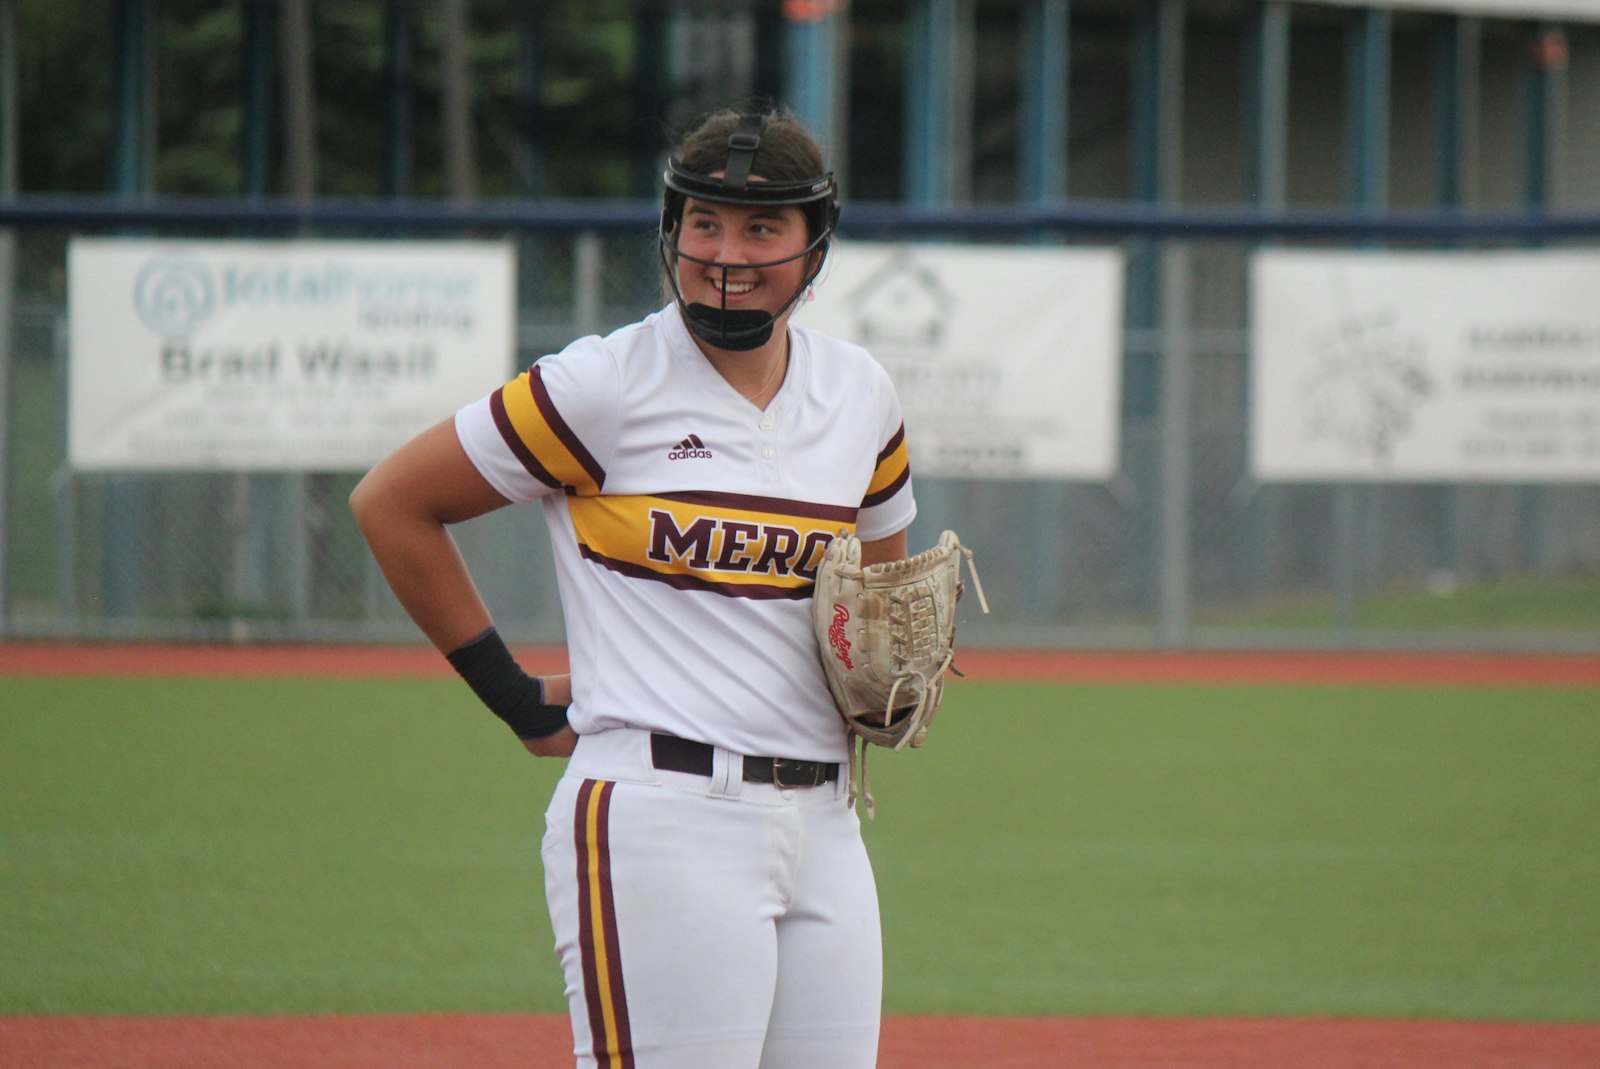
(1180, 549)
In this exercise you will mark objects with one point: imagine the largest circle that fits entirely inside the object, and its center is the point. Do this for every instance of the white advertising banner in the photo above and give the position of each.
(285, 355)
(1580, 10)
(1425, 367)
(1007, 360)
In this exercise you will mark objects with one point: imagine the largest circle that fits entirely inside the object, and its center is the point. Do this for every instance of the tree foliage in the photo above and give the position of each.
(554, 97)
(63, 54)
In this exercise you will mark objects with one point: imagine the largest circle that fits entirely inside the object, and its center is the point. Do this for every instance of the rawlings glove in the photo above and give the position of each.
(886, 633)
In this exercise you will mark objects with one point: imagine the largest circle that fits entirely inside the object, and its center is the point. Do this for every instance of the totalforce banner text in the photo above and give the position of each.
(288, 355)
(1006, 359)
(1425, 367)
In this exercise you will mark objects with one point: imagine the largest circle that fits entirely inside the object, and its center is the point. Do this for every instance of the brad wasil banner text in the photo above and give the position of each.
(277, 355)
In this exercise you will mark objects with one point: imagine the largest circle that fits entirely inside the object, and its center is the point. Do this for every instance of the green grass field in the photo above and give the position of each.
(188, 847)
(1552, 604)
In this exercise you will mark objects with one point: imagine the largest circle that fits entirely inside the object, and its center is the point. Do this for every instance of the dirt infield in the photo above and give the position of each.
(543, 1042)
(414, 661)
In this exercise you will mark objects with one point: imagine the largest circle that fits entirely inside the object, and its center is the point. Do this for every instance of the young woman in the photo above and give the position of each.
(709, 890)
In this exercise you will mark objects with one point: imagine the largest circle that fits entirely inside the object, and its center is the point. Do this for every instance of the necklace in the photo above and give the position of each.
(777, 365)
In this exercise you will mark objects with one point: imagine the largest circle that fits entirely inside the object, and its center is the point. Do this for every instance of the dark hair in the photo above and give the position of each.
(788, 152)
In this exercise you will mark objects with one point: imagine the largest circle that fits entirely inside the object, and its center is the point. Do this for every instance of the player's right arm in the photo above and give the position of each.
(403, 508)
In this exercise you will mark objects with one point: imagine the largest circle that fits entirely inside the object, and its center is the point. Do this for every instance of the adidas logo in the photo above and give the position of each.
(691, 448)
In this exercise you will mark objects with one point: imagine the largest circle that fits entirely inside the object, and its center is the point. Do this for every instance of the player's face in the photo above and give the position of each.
(741, 235)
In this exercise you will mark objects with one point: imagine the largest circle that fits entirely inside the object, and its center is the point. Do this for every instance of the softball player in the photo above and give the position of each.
(709, 891)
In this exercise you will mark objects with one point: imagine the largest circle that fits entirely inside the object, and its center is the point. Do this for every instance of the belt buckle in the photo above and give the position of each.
(786, 773)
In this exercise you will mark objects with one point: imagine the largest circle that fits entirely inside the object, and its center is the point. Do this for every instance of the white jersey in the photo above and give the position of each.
(687, 524)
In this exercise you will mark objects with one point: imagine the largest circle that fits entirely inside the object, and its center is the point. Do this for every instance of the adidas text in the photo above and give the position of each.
(691, 448)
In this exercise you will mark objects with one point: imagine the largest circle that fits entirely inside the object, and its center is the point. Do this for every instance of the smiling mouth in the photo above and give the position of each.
(732, 289)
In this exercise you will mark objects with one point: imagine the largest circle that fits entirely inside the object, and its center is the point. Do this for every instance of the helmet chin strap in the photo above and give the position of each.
(739, 331)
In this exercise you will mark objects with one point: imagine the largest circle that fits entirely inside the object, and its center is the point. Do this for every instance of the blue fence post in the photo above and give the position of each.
(1266, 106)
(938, 161)
(249, 532)
(131, 163)
(1266, 154)
(1367, 62)
(939, 77)
(1159, 356)
(1457, 43)
(1176, 338)
(1045, 41)
(399, 97)
(1367, 59)
(1544, 89)
(1544, 93)
(258, 46)
(8, 187)
(811, 77)
(649, 93)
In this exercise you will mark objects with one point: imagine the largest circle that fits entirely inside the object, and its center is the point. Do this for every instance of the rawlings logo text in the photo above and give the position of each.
(836, 635)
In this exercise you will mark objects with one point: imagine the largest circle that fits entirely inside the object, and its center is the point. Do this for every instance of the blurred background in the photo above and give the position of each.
(1186, 135)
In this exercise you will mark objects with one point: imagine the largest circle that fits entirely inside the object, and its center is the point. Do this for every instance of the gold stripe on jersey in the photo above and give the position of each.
(892, 471)
(537, 434)
(735, 545)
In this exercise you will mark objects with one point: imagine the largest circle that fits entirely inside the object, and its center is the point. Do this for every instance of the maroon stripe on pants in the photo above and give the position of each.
(597, 929)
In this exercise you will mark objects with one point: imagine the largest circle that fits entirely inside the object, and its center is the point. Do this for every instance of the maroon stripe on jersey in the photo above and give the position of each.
(609, 1032)
(558, 427)
(753, 591)
(894, 443)
(776, 506)
(508, 434)
(888, 491)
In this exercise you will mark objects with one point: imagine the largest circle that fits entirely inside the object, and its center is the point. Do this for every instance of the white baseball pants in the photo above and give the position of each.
(702, 921)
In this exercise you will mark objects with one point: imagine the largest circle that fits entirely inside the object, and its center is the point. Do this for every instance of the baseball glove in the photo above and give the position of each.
(886, 633)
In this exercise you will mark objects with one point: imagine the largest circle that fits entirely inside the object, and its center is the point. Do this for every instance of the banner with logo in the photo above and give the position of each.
(286, 355)
(1007, 360)
(1576, 10)
(1425, 366)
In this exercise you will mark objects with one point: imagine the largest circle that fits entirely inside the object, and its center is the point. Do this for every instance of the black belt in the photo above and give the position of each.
(685, 755)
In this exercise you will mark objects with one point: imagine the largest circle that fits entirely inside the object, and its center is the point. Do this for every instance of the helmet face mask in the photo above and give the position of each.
(816, 197)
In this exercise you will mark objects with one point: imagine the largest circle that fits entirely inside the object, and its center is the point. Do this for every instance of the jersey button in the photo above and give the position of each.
(767, 452)
(766, 424)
